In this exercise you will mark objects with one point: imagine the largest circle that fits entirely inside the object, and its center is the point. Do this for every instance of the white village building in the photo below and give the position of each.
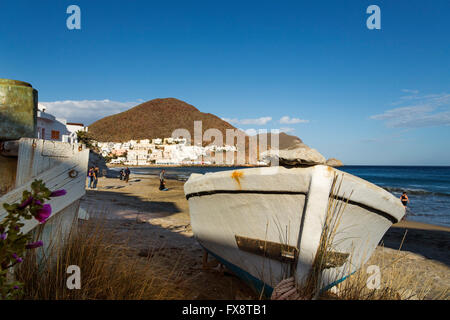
(74, 127)
(174, 151)
(51, 128)
(137, 157)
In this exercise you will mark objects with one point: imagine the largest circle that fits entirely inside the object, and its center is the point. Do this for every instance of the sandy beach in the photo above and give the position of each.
(151, 220)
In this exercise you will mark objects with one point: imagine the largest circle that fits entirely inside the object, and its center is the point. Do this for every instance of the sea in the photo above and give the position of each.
(428, 187)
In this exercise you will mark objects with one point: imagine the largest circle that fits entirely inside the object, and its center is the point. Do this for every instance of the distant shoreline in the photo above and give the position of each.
(184, 166)
(257, 166)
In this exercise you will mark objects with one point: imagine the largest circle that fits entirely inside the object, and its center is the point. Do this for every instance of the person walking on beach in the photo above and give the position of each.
(162, 182)
(91, 177)
(96, 174)
(161, 175)
(127, 174)
(121, 174)
(404, 199)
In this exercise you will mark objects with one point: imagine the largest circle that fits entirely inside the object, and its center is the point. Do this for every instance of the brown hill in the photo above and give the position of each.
(156, 118)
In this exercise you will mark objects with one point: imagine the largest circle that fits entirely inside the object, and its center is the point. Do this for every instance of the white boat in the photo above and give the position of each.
(265, 224)
(25, 158)
(60, 165)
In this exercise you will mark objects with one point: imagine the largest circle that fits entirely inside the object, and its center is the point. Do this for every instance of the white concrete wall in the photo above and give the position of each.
(46, 123)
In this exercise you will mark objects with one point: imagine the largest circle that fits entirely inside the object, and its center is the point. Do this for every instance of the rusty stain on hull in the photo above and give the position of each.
(237, 175)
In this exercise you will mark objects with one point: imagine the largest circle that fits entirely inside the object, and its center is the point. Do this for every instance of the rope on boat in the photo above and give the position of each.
(286, 290)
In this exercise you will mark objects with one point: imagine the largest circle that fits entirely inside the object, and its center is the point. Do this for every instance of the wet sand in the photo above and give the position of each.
(159, 220)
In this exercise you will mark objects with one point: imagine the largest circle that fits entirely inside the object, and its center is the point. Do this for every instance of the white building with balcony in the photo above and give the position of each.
(51, 128)
(137, 157)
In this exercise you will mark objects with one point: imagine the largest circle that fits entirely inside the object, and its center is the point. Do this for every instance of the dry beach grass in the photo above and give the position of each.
(138, 245)
(108, 270)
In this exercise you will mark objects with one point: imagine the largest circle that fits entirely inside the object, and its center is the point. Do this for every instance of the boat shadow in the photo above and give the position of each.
(432, 244)
(122, 205)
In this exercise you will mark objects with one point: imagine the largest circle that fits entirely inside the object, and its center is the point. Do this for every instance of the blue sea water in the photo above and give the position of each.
(427, 187)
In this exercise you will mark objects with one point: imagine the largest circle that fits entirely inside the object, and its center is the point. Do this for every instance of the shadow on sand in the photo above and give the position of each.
(432, 244)
(117, 205)
(173, 245)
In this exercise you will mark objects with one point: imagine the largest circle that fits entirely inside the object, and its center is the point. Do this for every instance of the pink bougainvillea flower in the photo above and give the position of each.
(58, 193)
(26, 203)
(44, 213)
(34, 245)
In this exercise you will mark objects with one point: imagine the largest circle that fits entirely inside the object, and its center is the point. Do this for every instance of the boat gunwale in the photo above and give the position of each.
(211, 192)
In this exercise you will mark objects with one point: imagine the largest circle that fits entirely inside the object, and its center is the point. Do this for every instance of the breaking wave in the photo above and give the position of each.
(419, 192)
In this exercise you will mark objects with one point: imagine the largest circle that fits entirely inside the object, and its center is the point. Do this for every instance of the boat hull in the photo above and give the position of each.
(285, 209)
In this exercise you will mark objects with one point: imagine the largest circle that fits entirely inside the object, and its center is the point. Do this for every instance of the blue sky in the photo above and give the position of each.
(363, 96)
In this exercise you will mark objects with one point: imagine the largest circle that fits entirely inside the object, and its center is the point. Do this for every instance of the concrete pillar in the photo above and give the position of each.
(18, 110)
(18, 118)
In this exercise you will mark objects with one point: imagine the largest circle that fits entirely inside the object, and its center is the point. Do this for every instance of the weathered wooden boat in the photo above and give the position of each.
(265, 224)
(24, 158)
(60, 165)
